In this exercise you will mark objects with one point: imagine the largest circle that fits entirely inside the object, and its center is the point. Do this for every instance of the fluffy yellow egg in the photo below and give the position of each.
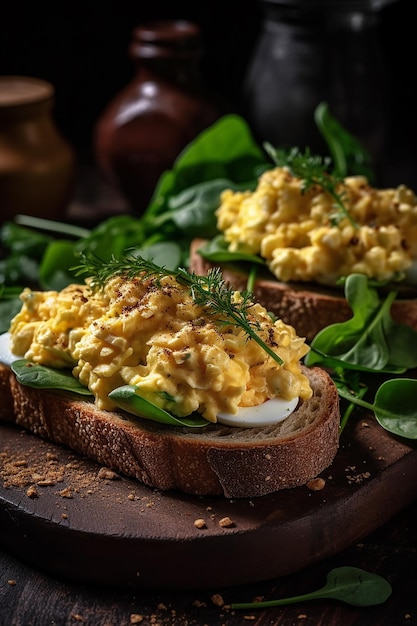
(294, 229)
(151, 333)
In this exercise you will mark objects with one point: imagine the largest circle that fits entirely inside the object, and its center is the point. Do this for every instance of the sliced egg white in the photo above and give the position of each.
(6, 355)
(266, 414)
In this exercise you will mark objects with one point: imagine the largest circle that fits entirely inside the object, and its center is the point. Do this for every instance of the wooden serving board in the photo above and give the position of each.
(66, 516)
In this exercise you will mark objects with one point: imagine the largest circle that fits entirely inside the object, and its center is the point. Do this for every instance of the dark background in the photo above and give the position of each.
(81, 47)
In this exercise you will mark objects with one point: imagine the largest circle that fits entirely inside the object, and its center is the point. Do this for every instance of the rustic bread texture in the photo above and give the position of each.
(307, 308)
(220, 460)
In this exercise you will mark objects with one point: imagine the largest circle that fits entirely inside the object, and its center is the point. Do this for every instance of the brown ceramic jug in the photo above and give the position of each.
(36, 163)
(145, 127)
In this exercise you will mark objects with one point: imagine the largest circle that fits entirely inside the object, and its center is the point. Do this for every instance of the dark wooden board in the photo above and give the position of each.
(93, 529)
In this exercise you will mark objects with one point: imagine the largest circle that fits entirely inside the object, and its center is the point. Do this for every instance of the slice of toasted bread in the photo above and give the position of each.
(218, 460)
(306, 307)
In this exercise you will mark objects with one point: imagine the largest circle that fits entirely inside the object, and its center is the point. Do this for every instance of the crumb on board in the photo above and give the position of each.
(32, 492)
(107, 474)
(200, 523)
(217, 599)
(34, 469)
(226, 522)
(316, 484)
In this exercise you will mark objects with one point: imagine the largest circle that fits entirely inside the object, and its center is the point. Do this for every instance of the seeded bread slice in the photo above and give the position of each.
(218, 460)
(308, 308)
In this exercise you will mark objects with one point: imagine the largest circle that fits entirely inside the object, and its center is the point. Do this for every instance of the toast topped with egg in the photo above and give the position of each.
(185, 384)
(311, 236)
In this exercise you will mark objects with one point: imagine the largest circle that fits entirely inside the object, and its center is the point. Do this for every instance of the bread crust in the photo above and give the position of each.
(308, 308)
(221, 460)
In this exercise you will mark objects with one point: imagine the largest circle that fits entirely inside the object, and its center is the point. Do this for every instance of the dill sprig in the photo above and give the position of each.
(313, 170)
(210, 292)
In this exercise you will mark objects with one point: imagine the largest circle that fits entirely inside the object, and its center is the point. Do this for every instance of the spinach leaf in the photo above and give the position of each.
(192, 210)
(166, 254)
(352, 585)
(10, 305)
(394, 405)
(55, 269)
(348, 154)
(226, 150)
(216, 250)
(42, 377)
(112, 237)
(20, 240)
(18, 268)
(128, 398)
(371, 340)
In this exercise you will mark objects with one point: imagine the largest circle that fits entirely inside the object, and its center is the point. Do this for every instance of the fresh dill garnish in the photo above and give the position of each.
(210, 292)
(313, 170)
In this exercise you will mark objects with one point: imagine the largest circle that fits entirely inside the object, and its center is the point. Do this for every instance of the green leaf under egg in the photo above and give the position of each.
(127, 398)
(42, 377)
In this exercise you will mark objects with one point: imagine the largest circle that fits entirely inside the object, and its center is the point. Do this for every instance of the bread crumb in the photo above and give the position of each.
(77, 617)
(316, 484)
(66, 493)
(226, 522)
(107, 474)
(199, 604)
(32, 492)
(136, 618)
(249, 618)
(46, 482)
(29, 469)
(11, 582)
(358, 478)
(217, 599)
(64, 516)
(200, 523)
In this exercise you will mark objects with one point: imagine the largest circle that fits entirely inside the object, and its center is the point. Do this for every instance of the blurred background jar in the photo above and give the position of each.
(37, 165)
(144, 128)
(311, 51)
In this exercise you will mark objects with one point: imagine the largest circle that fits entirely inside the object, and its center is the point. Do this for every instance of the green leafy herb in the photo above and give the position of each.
(394, 405)
(351, 585)
(216, 250)
(42, 377)
(129, 399)
(348, 154)
(370, 340)
(313, 170)
(226, 151)
(211, 291)
(370, 343)
(52, 226)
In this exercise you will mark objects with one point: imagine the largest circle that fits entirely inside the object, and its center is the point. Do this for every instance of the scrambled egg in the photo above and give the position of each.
(153, 335)
(294, 232)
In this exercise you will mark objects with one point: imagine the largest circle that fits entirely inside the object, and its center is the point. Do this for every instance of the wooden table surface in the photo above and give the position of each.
(28, 597)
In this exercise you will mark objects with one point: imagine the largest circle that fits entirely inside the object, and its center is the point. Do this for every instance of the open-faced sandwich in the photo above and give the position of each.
(171, 378)
(304, 230)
